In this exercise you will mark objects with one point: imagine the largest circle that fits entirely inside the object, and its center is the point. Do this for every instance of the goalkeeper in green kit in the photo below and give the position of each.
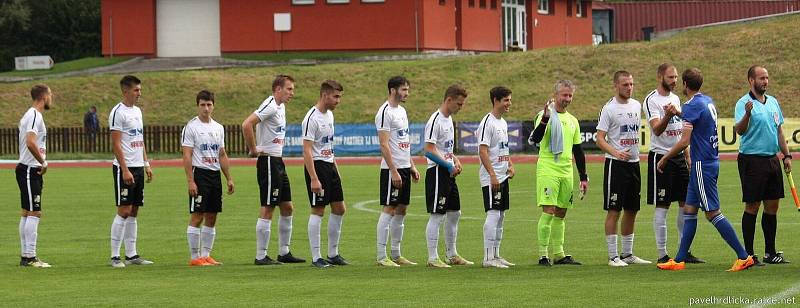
(558, 134)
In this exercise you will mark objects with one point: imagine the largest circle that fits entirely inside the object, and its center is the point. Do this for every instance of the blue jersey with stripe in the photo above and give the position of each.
(702, 114)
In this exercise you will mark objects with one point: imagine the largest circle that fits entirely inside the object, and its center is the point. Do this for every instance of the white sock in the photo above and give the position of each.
(490, 234)
(263, 227)
(284, 235)
(627, 245)
(117, 233)
(207, 235)
(193, 236)
(660, 230)
(396, 227)
(679, 223)
(432, 234)
(611, 241)
(499, 236)
(334, 232)
(31, 233)
(22, 220)
(451, 233)
(382, 234)
(314, 223)
(130, 235)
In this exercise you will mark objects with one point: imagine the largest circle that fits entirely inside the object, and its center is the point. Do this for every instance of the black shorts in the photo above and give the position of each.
(331, 184)
(495, 200)
(669, 186)
(209, 191)
(129, 194)
(621, 185)
(30, 184)
(761, 177)
(273, 182)
(391, 195)
(441, 191)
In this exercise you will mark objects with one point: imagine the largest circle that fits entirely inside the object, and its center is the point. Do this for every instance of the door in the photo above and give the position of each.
(187, 28)
(515, 30)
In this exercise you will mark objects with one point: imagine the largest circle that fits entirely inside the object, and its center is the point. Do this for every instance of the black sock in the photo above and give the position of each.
(769, 224)
(749, 231)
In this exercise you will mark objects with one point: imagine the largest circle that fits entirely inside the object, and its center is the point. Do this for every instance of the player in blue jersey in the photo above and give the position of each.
(700, 128)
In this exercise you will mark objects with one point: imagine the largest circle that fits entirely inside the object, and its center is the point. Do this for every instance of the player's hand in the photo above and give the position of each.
(230, 186)
(494, 182)
(787, 165)
(661, 164)
(192, 189)
(670, 111)
(316, 186)
(546, 112)
(622, 155)
(748, 107)
(149, 172)
(127, 177)
(397, 181)
(457, 168)
(584, 187)
(511, 172)
(252, 153)
(414, 174)
(42, 170)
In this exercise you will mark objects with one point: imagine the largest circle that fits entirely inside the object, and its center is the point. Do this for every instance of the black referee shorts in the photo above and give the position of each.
(761, 177)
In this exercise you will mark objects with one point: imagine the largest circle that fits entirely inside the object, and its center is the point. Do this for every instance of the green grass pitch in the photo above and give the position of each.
(78, 210)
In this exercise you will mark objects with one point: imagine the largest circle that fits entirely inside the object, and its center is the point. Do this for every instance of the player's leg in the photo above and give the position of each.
(397, 224)
(503, 206)
(318, 203)
(631, 206)
(382, 228)
(490, 228)
(710, 201)
(453, 216)
(435, 197)
(31, 185)
(753, 182)
(565, 202)
(336, 194)
(547, 190)
(207, 236)
(193, 233)
(130, 236)
(122, 200)
(769, 218)
(658, 184)
(612, 204)
(285, 232)
(265, 178)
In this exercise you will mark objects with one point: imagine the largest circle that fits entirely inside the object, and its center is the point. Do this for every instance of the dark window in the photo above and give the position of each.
(483, 4)
(569, 7)
(494, 4)
(442, 2)
(471, 3)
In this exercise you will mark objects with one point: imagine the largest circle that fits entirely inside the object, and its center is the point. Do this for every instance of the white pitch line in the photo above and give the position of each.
(779, 296)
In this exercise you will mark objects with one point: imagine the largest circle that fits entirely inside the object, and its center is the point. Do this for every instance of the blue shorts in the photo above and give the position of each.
(702, 190)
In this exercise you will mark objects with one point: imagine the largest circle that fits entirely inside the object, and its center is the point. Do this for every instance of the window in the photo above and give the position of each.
(483, 4)
(544, 7)
(471, 3)
(579, 12)
(373, 1)
(442, 2)
(569, 7)
(338, 1)
(494, 4)
(302, 2)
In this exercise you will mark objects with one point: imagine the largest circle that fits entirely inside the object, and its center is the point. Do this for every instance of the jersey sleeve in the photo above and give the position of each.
(309, 129)
(576, 138)
(738, 112)
(383, 119)
(431, 133)
(265, 111)
(29, 123)
(605, 120)
(779, 111)
(115, 120)
(222, 136)
(691, 112)
(187, 137)
(485, 132)
(652, 109)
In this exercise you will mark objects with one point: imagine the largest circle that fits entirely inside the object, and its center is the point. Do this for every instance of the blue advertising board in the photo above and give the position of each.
(468, 140)
(351, 140)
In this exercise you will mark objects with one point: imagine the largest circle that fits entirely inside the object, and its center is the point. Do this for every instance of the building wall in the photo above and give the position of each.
(631, 17)
(481, 28)
(438, 24)
(131, 24)
(558, 29)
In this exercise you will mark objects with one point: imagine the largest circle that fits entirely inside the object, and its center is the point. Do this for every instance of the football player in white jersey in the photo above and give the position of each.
(496, 169)
(30, 171)
(618, 136)
(129, 169)
(204, 155)
(273, 182)
(323, 183)
(663, 188)
(441, 191)
(397, 171)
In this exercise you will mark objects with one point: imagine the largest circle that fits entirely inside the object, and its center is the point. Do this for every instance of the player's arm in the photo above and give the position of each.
(308, 161)
(225, 164)
(147, 169)
(744, 123)
(457, 164)
(580, 163)
(386, 152)
(657, 122)
(249, 135)
(116, 147)
(511, 171)
(432, 153)
(787, 155)
(606, 147)
(414, 171)
(30, 144)
(538, 133)
(187, 169)
(680, 146)
(486, 162)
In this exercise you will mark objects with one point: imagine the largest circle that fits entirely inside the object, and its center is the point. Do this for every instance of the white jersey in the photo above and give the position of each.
(206, 140)
(271, 131)
(128, 120)
(32, 122)
(621, 123)
(439, 131)
(318, 127)
(493, 132)
(654, 105)
(395, 121)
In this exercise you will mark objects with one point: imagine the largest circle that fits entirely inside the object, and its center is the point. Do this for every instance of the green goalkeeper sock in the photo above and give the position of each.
(557, 237)
(544, 233)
